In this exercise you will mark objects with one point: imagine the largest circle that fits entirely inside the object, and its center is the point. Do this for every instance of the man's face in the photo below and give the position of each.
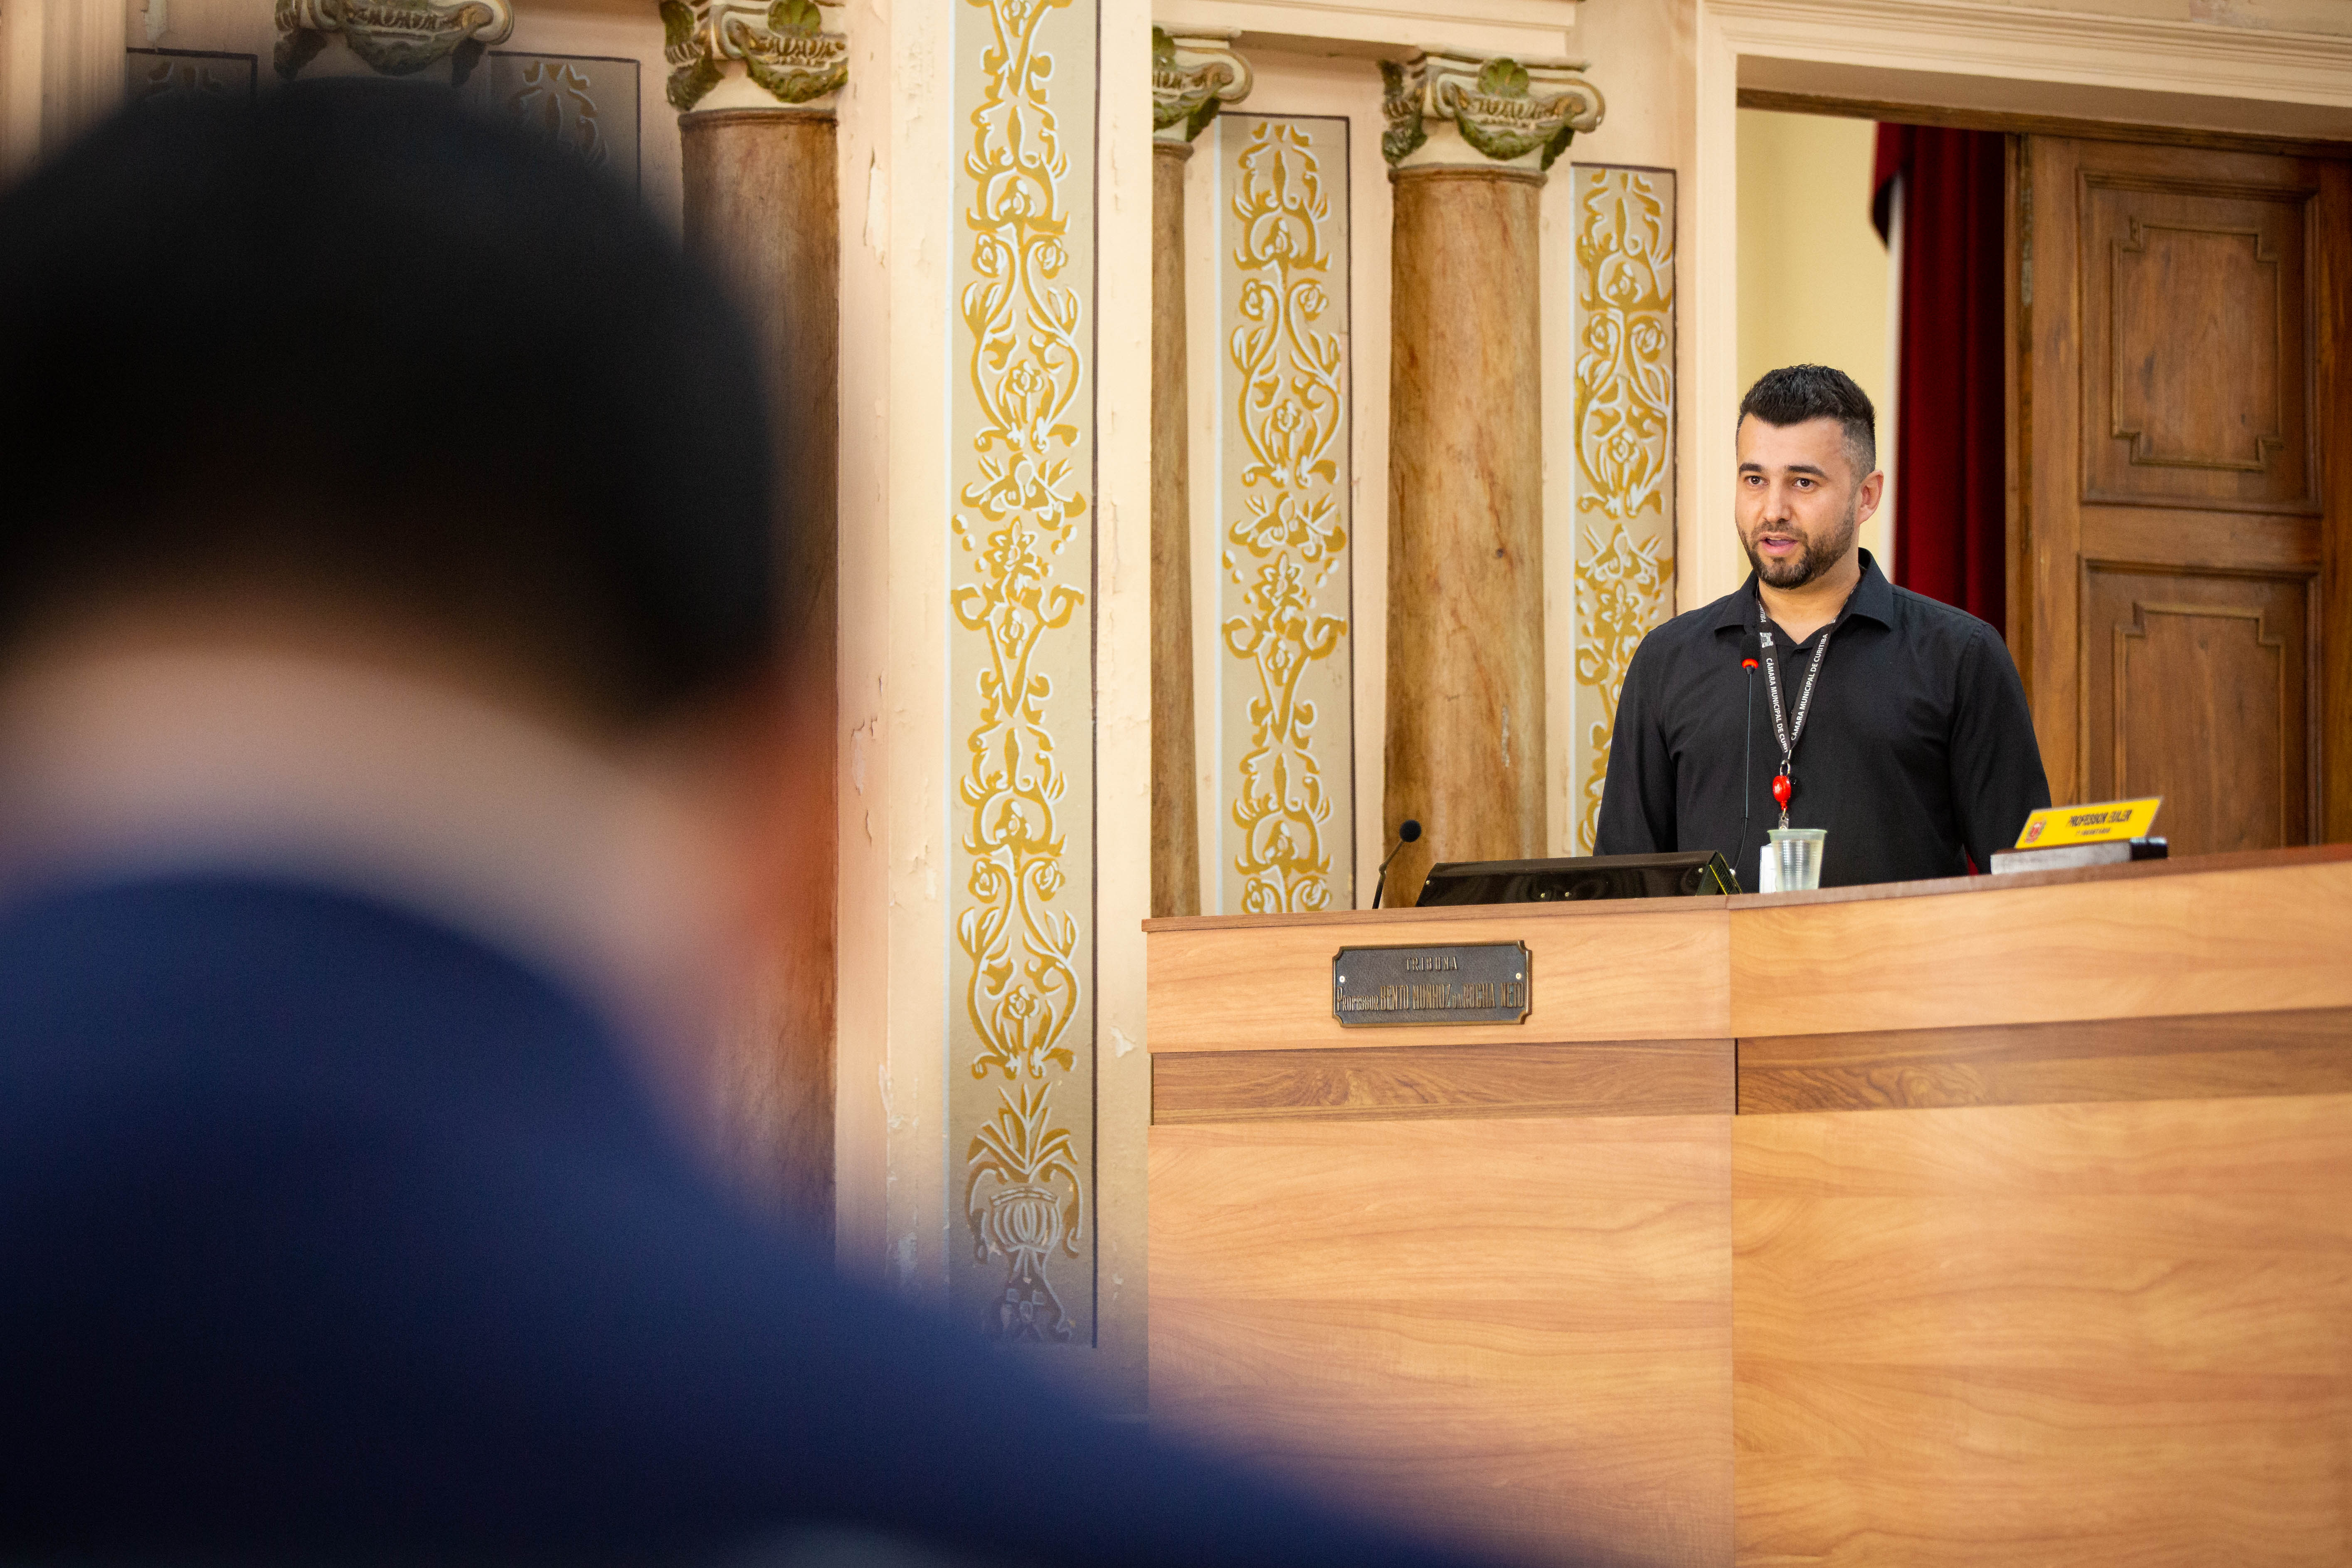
(1801, 501)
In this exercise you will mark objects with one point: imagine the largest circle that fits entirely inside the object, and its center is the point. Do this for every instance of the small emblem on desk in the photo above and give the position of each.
(1479, 983)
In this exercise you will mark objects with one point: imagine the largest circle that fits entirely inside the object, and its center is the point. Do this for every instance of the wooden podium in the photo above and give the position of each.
(1983, 1221)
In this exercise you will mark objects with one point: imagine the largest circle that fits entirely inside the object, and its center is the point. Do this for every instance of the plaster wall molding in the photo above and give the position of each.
(393, 37)
(1193, 75)
(752, 54)
(2076, 47)
(1450, 109)
(1540, 29)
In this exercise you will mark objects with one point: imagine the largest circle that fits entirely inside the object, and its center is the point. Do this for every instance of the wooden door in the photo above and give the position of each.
(2182, 443)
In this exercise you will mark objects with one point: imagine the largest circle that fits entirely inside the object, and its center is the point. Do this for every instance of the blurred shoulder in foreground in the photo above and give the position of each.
(395, 751)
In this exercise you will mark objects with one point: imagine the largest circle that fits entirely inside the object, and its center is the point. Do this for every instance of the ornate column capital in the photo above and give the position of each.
(1193, 74)
(394, 38)
(787, 59)
(1448, 110)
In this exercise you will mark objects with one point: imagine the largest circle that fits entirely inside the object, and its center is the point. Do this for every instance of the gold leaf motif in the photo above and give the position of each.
(1620, 594)
(1624, 438)
(1291, 413)
(1019, 505)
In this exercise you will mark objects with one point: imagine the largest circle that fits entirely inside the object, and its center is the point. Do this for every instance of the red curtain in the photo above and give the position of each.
(1951, 514)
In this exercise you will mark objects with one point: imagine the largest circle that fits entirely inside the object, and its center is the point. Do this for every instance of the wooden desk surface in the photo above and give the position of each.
(2221, 933)
(2187, 865)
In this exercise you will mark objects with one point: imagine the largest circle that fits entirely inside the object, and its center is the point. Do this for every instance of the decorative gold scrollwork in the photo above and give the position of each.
(1024, 1200)
(1193, 75)
(1291, 413)
(1624, 437)
(1020, 503)
(1620, 594)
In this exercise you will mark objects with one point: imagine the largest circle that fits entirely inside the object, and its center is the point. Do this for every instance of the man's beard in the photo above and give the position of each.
(1816, 558)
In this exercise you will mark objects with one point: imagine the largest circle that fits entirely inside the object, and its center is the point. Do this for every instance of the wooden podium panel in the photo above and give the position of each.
(1599, 974)
(1996, 1220)
(1514, 1332)
(2223, 933)
(2058, 1335)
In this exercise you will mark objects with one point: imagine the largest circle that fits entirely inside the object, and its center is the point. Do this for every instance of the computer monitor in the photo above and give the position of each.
(1684, 874)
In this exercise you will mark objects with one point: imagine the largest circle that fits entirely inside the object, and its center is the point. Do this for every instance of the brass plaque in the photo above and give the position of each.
(1480, 982)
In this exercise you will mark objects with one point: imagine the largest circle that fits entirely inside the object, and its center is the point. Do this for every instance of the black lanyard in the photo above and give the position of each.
(1787, 734)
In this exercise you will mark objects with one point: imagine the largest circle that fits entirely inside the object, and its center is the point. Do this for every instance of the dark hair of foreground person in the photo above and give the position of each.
(358, 342)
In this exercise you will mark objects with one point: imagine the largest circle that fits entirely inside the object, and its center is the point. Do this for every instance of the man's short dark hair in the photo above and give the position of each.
(1798, 394)
(356, 338)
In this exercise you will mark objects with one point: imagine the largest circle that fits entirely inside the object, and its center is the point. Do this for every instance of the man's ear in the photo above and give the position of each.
(1867, 495)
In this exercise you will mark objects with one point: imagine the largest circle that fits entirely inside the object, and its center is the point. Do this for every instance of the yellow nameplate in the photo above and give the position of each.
(2054, 824)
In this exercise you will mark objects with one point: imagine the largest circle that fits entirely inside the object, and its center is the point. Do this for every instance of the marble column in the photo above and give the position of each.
(1192, 75)
(1468, 141)
(760, 205)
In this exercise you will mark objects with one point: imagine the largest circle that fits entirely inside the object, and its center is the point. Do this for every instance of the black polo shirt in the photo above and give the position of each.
(1919, 750)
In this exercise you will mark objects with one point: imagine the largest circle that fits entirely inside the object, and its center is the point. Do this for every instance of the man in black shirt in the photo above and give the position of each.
(1907, 734)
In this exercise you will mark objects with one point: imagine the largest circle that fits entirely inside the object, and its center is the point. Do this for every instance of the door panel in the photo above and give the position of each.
(2197, 343)
(2177, 580)
(2198, 687)
(2218, 540)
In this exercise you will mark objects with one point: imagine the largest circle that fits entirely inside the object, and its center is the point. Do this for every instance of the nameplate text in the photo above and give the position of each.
(1476, 983)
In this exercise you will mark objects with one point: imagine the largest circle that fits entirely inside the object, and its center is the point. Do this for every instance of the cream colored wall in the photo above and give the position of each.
(1813, 276)
(897, 181)
(1113, 1374)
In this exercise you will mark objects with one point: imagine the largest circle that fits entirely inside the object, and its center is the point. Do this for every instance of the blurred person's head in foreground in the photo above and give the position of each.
(384, 494)
(388, 657)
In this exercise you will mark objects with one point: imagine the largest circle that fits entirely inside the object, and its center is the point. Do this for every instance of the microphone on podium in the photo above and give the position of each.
(1407, 831)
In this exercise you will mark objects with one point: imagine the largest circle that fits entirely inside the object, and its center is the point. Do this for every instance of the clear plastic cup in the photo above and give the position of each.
(1795, 854)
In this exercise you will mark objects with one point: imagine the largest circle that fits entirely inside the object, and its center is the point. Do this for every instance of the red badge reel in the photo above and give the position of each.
(1781, 790)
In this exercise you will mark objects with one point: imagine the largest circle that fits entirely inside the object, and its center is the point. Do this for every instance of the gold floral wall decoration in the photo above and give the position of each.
(1625, 446)
(1285, 720)
(1019, 659)
(1622, 591)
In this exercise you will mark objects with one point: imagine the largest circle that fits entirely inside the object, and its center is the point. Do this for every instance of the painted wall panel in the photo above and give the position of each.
(1624, 448)
(1020, 1024)
(1285, 721)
